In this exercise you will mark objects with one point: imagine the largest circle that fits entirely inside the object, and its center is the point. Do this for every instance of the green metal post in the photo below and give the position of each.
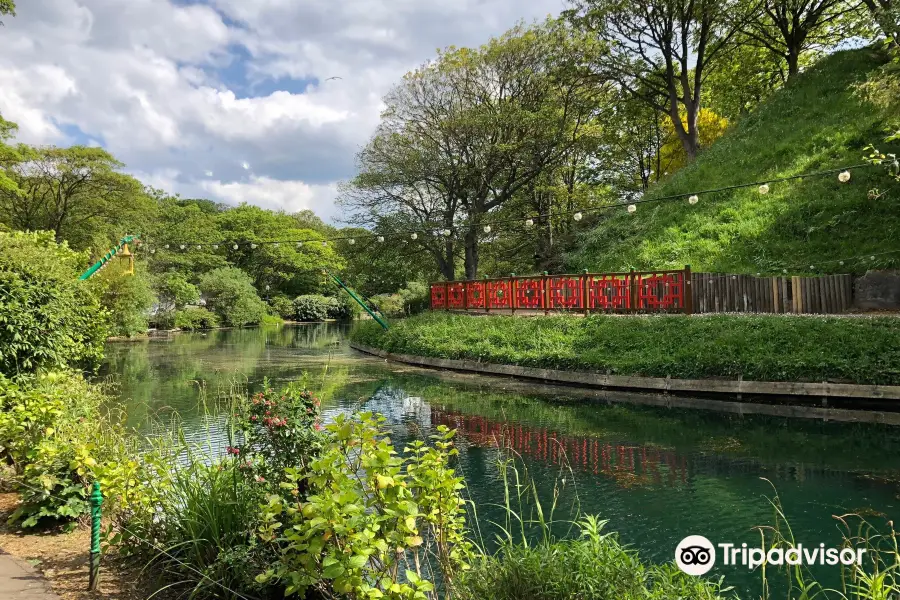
(357, 298)
(96, 503)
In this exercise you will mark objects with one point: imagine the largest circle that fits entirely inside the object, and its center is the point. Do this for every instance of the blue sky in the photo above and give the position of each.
(229, 99)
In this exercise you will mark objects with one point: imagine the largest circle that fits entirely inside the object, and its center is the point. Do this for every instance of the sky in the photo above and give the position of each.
(229, 99)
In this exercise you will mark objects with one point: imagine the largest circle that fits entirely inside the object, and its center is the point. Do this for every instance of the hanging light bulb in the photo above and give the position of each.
(693, 199)
(152, 250)
(529, 223)
(166, 246)
(487, 228)
(380, 238)
(215, 246)
(253, 246)
(632, 208)
(844, 176)
(182, 246)
(199, 247)
(351, 241)
(414, 236)
(276, 244)
(577, 216)
(842, 263)
(324, 243)
(299, 244)
(812, 268)
(235, 247)
(764, 189)
(446, 233)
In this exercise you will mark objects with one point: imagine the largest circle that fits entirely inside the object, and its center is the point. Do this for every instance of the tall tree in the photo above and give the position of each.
(464, 134)
(78, 193)
(886, 14)
(7, 7)
(663, 49)
(790, 28)
(8, 156)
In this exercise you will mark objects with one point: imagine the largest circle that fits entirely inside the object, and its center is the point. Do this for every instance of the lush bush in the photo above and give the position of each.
(55, 433)
(369, 514)
(757, 347)
(194, 318)
(230, 294)
(278, 430)
(282, 306)
(593, 566)
(343, 308)
(174, 291)
(311, 307)
(127, 299)
(412, 299)
(47, 317)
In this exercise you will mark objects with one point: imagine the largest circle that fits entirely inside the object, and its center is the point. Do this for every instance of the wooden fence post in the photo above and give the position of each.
(584, 291)
(688, 290)
(545, 292)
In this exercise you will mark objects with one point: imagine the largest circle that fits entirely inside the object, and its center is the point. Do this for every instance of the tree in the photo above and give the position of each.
(887, 14)
(126, 298)
(48, 319)
(286, 267)
(663, 49)
(8, 156)
(464, 134)
(742, 80)
(190, 223)
(77, 193)
(231, 295)
(7, 7)
(790, 28)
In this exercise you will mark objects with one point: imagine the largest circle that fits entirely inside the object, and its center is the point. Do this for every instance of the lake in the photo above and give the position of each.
(656, 474)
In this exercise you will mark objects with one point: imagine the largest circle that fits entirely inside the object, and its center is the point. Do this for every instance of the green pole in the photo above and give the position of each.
(96, 503)
(357, 299)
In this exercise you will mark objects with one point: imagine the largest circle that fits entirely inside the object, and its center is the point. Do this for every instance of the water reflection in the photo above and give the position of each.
(657, 474)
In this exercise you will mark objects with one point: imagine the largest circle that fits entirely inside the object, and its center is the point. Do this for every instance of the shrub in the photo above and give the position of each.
(343, 308)
(390, 305)
(231, 295)
(282, 306)
(53, 431)
(416, 298)
(369, 511)
(175, 291)
(594, 566)
(127, 299)
(311, 307)
(194, 318)
(48, 319)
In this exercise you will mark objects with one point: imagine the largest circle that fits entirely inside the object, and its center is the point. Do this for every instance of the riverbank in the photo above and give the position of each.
(762, 348)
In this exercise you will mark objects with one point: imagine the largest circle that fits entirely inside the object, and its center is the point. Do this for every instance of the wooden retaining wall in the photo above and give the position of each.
(723, 292)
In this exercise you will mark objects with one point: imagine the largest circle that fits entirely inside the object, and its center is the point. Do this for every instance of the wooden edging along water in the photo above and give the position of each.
(732, 387)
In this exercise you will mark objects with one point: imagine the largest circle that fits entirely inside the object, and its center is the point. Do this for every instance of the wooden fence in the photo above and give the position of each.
(723, 292)
(648, 292)
(657, 291)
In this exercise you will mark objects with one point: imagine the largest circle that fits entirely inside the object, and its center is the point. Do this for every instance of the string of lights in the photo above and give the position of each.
(487, 225)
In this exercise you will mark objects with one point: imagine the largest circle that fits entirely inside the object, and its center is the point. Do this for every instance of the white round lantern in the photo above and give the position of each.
(414, 236)
(351, 241)
(693, 199)
(235, 247)
(764, 189)
(844, 176)
(529, 223)
(380, 238)
(632, 208)
(487, 228)
(446, 233)
(577, 216)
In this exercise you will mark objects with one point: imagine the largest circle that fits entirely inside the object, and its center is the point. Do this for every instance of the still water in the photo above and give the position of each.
(655, 474)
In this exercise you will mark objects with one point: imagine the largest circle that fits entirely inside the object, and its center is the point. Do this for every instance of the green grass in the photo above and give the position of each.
(758, 347)
(820, 122)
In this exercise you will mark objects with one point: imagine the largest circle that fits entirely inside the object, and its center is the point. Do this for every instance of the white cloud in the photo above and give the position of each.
(289, 196)
(179, 92)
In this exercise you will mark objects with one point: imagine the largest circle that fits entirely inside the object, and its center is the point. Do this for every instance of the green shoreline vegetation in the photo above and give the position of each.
(863, 350)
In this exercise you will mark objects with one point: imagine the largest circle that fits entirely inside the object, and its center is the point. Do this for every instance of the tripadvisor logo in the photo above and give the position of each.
(696, 555)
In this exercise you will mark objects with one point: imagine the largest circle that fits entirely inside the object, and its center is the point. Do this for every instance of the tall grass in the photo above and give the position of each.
(757, 347)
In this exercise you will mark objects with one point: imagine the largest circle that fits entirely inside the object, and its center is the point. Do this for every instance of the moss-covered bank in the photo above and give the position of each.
(757, 347)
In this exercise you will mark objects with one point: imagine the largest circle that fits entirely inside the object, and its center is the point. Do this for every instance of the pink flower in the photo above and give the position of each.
(318, 427)
(254, 418)
(260, 479)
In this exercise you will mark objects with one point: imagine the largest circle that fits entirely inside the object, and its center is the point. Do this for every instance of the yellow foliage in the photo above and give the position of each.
(672, 155)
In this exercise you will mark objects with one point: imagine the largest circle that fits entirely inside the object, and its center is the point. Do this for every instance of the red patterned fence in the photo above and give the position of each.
(656, 291)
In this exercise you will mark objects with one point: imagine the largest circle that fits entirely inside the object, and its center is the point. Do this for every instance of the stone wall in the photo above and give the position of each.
(877, 290)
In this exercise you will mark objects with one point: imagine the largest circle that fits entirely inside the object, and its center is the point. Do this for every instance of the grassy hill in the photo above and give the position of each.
(820, 122)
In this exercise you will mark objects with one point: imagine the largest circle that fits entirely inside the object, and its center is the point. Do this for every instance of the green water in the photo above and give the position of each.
(656, 474)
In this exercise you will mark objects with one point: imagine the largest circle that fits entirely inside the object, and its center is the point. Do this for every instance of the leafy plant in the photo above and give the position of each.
(375, 524)
(282, 306)
(311, 307)
(48, 319)
(231, 295)
(127, 299)
(194, 318)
